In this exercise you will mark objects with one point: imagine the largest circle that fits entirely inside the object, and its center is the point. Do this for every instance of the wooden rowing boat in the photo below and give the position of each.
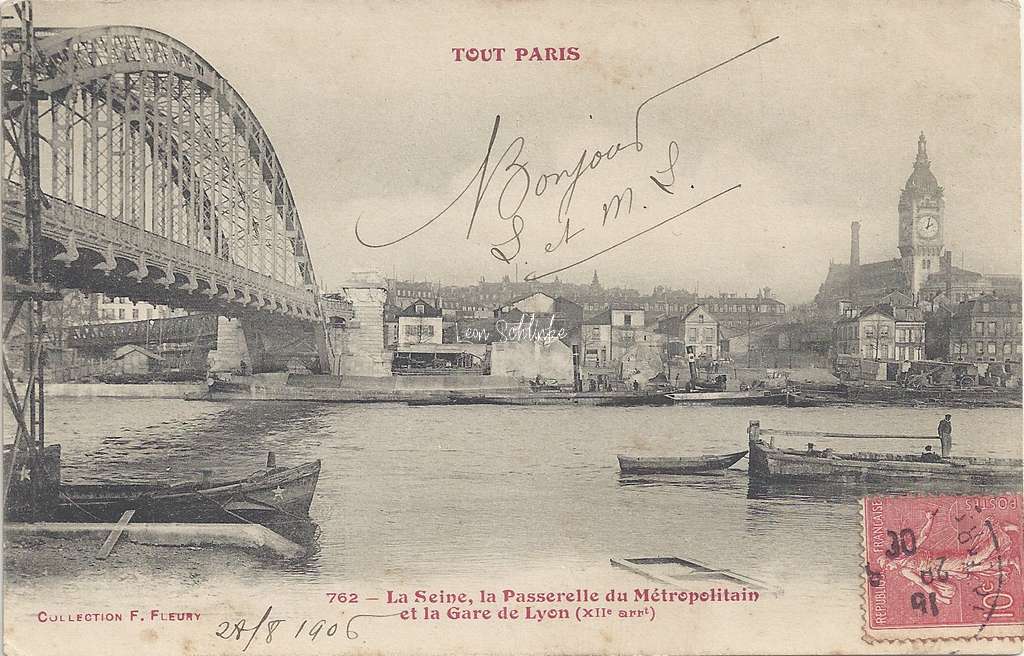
(677, 465)
(746, 397)
(269, 493)
(772, 464)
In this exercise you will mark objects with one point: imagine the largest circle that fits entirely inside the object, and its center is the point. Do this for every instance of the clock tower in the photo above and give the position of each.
(921, 211)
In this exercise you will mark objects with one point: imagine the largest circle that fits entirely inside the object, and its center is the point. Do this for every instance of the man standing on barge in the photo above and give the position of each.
(946, 435)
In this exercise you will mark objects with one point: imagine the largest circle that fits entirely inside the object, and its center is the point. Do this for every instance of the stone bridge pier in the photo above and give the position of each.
(265, 345)
(355, 324)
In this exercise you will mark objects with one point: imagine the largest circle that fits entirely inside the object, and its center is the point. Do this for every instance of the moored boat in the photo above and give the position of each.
(678, 465)
(276, 497)
(772, 464)
(743, 397)
(633, 400)
(269, 493)
(804, 400)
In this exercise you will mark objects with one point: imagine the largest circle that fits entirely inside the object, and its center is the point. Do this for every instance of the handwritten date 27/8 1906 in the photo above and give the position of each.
(518, 182)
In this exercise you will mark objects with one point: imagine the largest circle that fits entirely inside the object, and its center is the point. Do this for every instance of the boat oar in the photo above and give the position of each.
(860, 436)
(115, 535)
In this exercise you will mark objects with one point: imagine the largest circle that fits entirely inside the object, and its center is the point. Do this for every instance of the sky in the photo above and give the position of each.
(747, 176)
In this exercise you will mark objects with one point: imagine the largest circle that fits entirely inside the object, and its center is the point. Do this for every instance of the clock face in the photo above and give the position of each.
(927, 227)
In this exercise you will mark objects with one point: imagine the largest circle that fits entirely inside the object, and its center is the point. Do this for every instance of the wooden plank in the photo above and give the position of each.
(868, 436)
(686, 570)
(115, 535)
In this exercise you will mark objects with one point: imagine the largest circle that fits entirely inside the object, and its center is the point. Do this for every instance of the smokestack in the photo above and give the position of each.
(855, 244)
(947, 268)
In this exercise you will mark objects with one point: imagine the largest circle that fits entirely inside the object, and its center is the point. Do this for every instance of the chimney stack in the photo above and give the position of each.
(855, 244)
(947, 268)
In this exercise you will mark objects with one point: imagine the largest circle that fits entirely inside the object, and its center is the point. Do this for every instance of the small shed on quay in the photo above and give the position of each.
(134, 359)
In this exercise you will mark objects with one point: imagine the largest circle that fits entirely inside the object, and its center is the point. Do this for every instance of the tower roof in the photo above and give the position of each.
(922, 180)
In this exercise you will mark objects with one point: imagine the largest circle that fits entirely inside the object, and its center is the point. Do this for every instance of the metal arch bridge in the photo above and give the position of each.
(155, 179)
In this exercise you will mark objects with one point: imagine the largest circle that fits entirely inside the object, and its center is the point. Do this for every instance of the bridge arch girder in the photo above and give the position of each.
(146, 131)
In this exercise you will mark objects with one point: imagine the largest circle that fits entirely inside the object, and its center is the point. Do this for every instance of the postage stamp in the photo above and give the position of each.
(946, 567)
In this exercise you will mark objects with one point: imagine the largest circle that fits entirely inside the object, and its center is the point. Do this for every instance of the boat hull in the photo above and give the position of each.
(676, 465)
(759, 397)
(770, 465)
(270, 494)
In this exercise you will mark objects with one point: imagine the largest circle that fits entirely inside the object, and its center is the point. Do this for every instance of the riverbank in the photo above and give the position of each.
(501, 390)
(124, 391)
(29, 557)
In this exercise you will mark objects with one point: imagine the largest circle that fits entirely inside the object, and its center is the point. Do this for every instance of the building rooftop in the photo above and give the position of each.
(428, 309)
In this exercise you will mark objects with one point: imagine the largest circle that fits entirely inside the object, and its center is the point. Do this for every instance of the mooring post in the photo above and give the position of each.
(271, 460)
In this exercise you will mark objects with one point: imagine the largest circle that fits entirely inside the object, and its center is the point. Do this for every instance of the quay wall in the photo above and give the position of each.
(303, 387)
(395, 383)
(142, 391)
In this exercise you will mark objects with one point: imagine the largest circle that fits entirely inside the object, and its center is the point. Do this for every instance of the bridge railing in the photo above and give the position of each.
(145, 331)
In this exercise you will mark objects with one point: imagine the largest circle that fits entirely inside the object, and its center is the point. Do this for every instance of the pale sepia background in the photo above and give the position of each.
(371, 118)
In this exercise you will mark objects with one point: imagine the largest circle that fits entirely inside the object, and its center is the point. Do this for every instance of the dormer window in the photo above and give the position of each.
(419, 308)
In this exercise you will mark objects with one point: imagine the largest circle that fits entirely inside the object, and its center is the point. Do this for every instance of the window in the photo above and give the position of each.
(710, 350)
(627, 320)
(979, 327)
(419, 308)
(691, 335)
(428, 331)
(1007, 349)
(869, 331)
(595, 331)
(884, 331)
(885, 351)
(985, 307)
(980, 348)
(120, 313)
(991, 348)
(411, 331)
(709, 334)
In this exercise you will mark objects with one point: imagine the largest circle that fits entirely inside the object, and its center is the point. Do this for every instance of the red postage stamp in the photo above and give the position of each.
(943, 567)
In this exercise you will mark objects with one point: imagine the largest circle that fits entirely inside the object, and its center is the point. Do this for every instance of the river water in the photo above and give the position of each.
(412, 492)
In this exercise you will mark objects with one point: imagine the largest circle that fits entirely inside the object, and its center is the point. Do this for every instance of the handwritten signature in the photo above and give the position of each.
(518, 182)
